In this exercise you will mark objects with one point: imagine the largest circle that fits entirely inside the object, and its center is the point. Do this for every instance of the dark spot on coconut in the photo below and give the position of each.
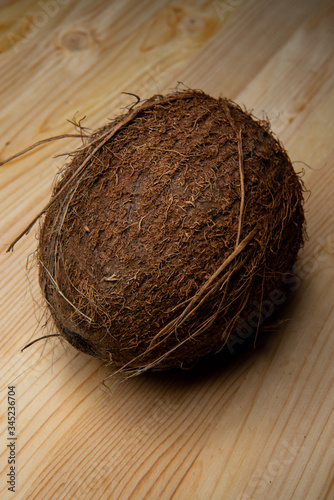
(194, 213)
(78, 342)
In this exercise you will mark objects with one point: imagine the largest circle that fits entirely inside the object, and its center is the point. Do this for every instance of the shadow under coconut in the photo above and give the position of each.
(246, 348)
(168, 406)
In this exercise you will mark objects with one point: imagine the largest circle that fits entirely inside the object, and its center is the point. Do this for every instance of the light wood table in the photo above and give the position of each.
(260, 426)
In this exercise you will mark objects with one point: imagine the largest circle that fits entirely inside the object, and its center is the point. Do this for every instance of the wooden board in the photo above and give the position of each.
(261, 426)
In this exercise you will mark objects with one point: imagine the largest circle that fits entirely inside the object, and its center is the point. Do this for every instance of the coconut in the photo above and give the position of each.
(165, 228)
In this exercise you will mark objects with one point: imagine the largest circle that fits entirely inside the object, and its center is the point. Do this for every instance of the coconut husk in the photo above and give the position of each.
(165, 228)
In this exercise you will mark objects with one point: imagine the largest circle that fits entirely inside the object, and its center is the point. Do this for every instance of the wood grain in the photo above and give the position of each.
(260, 425)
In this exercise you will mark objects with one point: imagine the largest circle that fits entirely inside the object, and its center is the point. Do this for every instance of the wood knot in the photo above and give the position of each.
(76, 40)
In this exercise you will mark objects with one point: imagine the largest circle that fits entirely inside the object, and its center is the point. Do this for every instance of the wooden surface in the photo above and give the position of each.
(260, 426)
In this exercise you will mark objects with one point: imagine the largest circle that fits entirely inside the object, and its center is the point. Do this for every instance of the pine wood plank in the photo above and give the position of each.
(260, 427)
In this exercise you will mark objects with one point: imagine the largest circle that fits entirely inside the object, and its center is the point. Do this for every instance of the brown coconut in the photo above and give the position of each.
(165, 228)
